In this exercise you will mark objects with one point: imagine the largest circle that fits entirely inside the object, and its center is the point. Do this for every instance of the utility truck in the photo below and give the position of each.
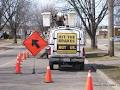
(66, 47)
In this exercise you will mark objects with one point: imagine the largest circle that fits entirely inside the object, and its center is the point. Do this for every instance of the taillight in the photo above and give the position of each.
(84, 52)
(49, 51)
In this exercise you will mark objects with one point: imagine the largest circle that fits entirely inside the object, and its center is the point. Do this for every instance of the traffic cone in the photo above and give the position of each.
(24, 56)
(19, 57)
(48, 77)
(18, 68)
(26, 53)
(89, 83)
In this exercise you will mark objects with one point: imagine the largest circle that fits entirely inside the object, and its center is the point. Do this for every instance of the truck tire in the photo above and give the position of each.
(82, 66)
(60, 66)
(51, 65)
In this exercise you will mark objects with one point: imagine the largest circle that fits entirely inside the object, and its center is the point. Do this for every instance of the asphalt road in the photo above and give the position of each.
(70, 80)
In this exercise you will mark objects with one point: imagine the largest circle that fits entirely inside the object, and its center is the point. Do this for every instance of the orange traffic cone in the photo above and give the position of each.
(48, 77)
(89, 84)
(19, 57)
(18, 68)
(24, 56)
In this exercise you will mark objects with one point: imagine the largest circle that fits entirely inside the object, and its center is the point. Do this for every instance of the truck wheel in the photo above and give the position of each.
(82, 66)
(51, 65)
(59, 64)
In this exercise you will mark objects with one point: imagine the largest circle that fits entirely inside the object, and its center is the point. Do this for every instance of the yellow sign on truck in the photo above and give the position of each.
(66, 43)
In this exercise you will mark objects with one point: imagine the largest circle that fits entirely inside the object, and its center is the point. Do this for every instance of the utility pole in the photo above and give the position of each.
(110, 28)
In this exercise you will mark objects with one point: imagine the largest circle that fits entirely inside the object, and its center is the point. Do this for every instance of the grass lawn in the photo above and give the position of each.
(103, 58)
(112, 71)
(117, 46)
(98, 55)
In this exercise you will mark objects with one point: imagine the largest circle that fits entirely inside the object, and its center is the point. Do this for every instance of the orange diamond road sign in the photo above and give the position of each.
(35, 43)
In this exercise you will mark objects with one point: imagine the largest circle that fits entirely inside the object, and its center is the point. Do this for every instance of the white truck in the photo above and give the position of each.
(66, 47)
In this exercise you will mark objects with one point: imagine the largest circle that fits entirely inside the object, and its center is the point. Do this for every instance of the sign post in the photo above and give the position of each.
(34, 43)
(33, 67)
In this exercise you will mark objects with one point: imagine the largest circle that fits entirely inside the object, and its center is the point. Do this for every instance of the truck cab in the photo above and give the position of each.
(66, 47)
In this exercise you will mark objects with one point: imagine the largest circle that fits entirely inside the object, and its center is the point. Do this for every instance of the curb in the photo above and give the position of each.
(111, 82)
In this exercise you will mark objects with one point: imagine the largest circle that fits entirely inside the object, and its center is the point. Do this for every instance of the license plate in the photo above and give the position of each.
(66, 59)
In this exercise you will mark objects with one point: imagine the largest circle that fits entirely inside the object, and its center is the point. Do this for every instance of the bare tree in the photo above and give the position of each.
(38, 18)
(4, 7)
(19, 8)
(86, 10)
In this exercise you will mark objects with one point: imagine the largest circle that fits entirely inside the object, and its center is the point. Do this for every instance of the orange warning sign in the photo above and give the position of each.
(35, 43)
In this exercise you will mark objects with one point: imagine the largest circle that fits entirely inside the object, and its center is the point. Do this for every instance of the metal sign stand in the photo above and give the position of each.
(33, 66)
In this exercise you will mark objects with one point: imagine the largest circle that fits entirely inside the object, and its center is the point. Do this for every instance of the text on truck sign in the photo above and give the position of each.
(67, 43)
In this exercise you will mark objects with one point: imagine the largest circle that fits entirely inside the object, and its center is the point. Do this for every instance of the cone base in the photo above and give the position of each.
(18, 73)
(48, 81)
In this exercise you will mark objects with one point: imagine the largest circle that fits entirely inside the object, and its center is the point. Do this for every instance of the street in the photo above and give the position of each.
(63, 35)
(62, 80)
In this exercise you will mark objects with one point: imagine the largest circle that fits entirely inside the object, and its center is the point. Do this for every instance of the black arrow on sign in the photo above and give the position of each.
(34, 43)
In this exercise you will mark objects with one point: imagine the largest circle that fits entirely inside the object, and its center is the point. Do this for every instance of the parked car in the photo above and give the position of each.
(1, 35)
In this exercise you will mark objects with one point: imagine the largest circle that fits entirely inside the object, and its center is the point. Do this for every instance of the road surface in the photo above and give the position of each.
(63, 80)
